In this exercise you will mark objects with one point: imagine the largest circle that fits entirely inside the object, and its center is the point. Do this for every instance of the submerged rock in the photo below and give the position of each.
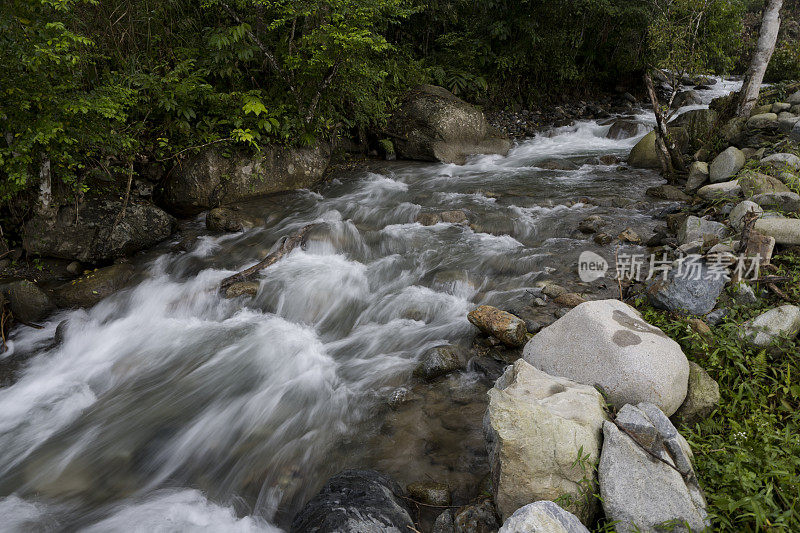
(508, 328)
(90, 235)
(434, 125)
(355, 501)
(438, 361)
(536, 426)
(242, 288)
(542, 517)
(429, 492)
(640, 493)
(224, 219)
(606, 343)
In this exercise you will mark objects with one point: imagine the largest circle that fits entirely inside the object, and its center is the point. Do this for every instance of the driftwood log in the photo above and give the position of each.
(287, 245)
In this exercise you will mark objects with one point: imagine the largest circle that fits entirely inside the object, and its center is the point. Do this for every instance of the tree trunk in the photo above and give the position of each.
(665, 149)
(767, 36)
(45, 188)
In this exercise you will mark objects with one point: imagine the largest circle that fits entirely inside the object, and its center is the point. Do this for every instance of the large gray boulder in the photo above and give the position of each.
(795, 133)
(542, 517)
(644, 155)
(535, 426)
(355, 501)
(762, 121)
(28, 303)
(214, 177)
(794, 98)
(771, 326)
(639, 492)
(753, 183)
(432, 124)
(691, 287)
(726, 165)
(606, 343)
(97, 232)
(784, 230)
(700, 229)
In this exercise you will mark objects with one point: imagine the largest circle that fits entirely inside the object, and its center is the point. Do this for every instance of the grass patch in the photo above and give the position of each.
(747, 453)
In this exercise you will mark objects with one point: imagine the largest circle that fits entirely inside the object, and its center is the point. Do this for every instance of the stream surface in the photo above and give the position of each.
(168, 408)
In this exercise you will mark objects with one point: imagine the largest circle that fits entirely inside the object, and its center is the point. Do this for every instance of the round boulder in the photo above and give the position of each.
(606, 343)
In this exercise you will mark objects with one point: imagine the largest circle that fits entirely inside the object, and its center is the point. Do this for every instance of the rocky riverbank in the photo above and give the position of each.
(607, 410)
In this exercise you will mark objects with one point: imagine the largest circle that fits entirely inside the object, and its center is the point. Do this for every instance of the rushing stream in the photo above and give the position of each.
(167, 406)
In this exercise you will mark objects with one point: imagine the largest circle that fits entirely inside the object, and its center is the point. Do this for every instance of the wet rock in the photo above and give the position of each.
(429, 492)
(489, 367)
(74, 268)
(687, 98)
(738, 213)
(243, 288)
(444, 523)
(644, 154)
(628, 235)
(700, 229)
(726, 165)
(454, 217)
(355, 501)
(608, 159)
(698, 175)
(591, 224)
(227, 220)
(28, 303)
(476, 518)
(728, 190)
(434, 125)
(771, 326)
(558, 164)
(91, 235)
(603, 239)
(438, 361)
(428, 219)
(505, 326)
(90, 288)
(569, 299)
(535, 426)
(668, 192)
(623, 129)
(638, 492)
(550, 288)
(607, 343)
(754, 183)
(702, 397)
(543, 517)
(783, 230)
(785, 202)
(213, 177)
(690, 288)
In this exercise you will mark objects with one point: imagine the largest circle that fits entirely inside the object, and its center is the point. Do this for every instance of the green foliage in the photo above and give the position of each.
(747, 454)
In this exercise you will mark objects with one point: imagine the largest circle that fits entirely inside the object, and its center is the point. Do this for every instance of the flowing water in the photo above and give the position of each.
(166, 407)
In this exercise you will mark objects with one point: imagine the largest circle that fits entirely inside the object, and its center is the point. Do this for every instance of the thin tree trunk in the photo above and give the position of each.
(45, 187)
(661, 129)
(767, 36)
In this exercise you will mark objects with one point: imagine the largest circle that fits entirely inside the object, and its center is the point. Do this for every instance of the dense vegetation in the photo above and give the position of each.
(92, 87)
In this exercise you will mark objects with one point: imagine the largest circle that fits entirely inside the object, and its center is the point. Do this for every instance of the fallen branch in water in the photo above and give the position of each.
(287, 245)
